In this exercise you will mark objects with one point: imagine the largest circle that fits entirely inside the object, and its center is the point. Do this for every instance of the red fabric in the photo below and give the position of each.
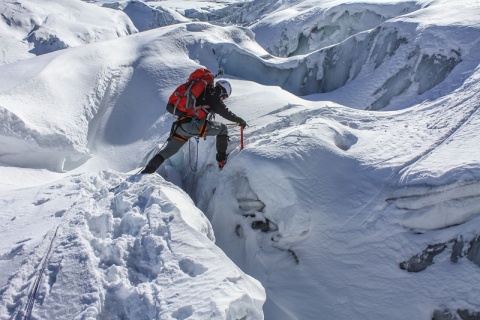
(197, 82)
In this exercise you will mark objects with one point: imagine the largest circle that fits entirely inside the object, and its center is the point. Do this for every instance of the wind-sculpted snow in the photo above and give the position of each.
(139, 251)
(65, 141)
(104, 88)
(33, 27)
(145, 17)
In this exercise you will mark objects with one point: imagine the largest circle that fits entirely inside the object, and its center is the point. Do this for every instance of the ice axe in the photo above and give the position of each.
(241, 134)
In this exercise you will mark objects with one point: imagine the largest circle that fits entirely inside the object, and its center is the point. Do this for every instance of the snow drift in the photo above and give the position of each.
(138, 251)
(32, 27)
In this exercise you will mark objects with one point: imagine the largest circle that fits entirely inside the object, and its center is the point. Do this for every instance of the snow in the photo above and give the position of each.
(34, 27)
(142, 246)
(357, 195)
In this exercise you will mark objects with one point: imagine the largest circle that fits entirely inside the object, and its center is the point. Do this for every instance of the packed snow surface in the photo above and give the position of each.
(357, 195)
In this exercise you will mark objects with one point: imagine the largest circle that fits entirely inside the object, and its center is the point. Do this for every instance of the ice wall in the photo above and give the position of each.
(402, 60)
(312, 27)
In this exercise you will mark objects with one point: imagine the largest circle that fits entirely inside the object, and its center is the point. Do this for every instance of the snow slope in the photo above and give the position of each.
(139, 251)
(339, 212)
(33, 27)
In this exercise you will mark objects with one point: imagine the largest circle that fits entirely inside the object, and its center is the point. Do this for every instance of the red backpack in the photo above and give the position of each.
(185, 96)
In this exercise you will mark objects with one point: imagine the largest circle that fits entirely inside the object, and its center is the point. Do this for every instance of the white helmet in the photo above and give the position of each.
(226, 87)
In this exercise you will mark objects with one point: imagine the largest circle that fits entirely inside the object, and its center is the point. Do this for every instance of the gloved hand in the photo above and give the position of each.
(242, 123)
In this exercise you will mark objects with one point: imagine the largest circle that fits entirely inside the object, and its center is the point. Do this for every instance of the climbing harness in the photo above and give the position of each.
(202, 132)
(175, 125)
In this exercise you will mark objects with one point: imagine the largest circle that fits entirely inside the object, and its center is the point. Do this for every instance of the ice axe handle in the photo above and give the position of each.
(241, 133)
(241, 138)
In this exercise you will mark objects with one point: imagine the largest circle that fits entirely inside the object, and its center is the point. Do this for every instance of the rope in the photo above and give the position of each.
(38, 280)
(189, 155)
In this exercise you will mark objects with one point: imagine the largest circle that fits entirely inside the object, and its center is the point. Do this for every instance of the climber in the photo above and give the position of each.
(188, 124)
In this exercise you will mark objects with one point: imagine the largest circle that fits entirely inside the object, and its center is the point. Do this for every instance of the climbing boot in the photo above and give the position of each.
(153, 164)
(221, 159)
